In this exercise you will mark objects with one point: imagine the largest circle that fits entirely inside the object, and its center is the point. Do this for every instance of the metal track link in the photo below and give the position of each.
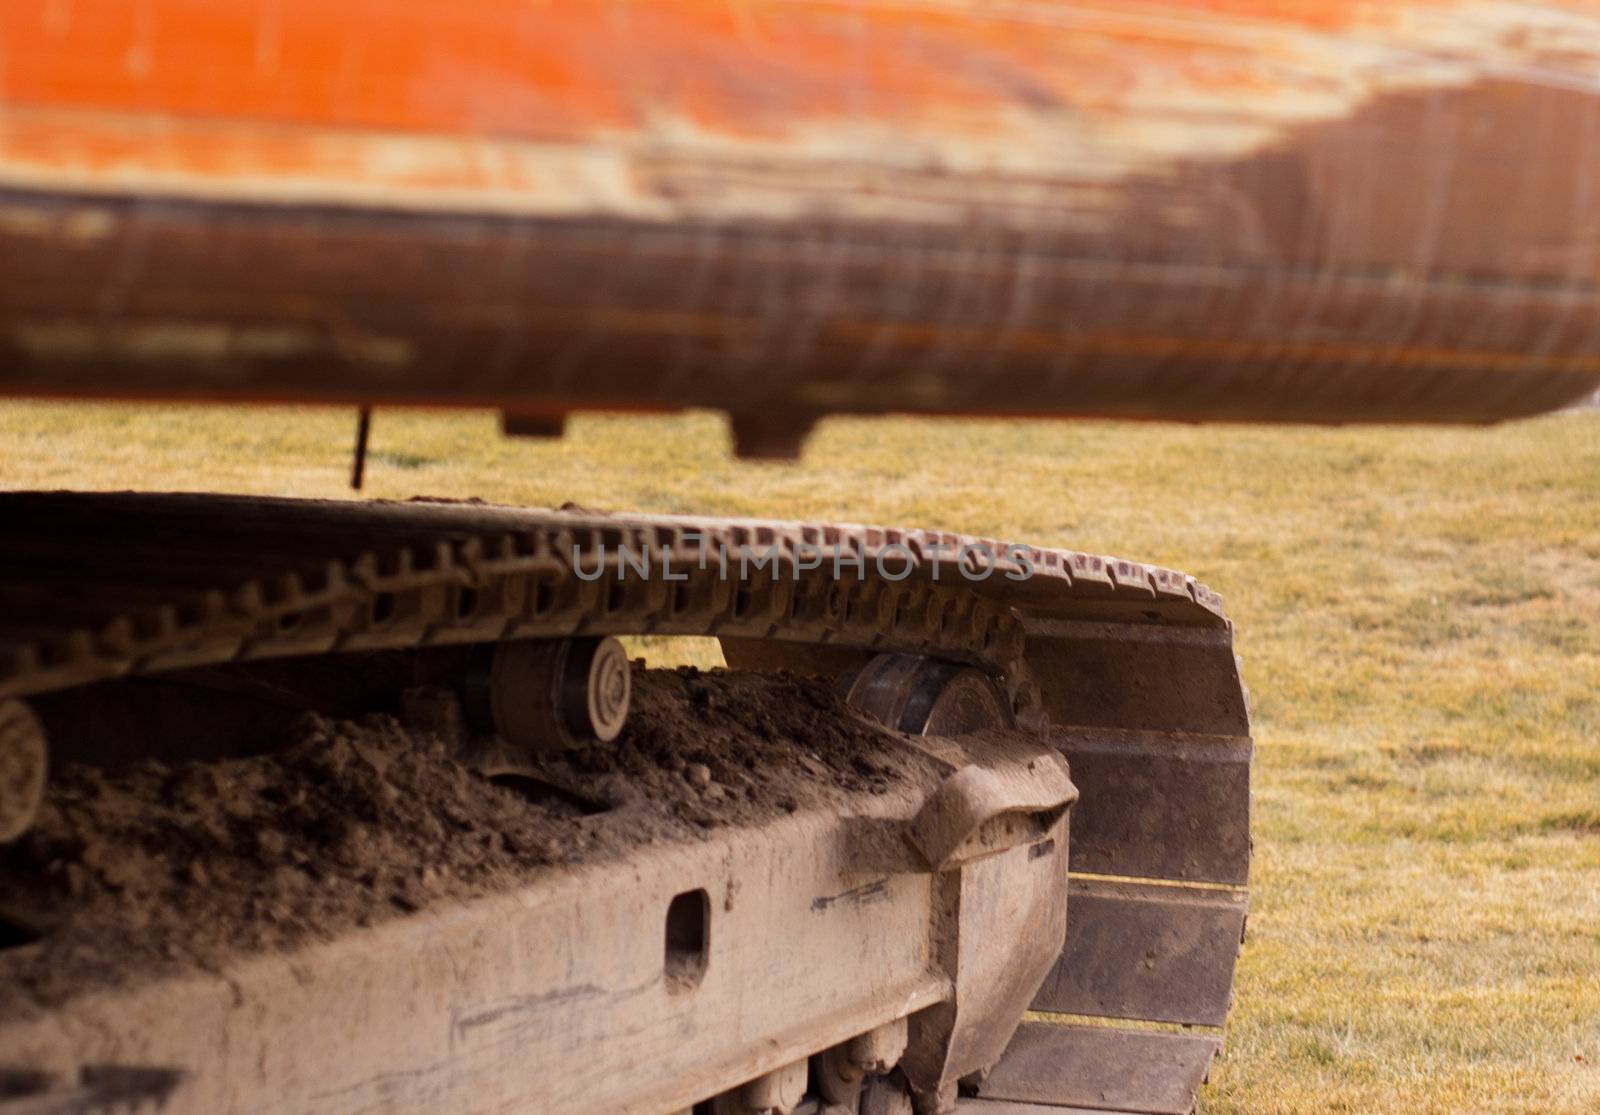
(97, 586)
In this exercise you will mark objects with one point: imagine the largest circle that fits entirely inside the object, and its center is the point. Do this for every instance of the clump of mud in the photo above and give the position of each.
(154, 867)
(744, 745)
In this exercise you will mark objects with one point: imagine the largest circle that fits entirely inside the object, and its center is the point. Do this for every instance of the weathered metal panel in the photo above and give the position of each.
(1165, 805)
(1102, 1069)
(1143, 676)
(1153, 953)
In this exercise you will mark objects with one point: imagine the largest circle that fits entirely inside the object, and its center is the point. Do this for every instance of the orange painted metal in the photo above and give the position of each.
(566, 71)
(1318, 210)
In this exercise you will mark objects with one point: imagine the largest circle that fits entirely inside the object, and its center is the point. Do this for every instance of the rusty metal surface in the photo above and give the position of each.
(1151, 953)
(1146, 1071)
(1166, 805)
(1334, 211)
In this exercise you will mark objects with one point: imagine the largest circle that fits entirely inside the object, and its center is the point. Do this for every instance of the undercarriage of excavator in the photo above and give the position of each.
(363, 807)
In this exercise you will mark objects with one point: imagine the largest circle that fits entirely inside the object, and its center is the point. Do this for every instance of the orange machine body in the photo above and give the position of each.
(1323, 210)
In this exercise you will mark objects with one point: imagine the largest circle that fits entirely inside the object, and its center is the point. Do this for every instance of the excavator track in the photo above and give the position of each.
(1123, 669)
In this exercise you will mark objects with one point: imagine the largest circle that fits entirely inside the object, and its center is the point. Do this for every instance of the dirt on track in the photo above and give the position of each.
(155, 867)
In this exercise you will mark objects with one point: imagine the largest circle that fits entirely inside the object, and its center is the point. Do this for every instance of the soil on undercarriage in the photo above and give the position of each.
(155, 867)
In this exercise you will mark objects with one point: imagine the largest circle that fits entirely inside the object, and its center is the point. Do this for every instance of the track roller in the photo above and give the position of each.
(779, 1092)
(541, 695)
(849, 1079)
(842, 1069)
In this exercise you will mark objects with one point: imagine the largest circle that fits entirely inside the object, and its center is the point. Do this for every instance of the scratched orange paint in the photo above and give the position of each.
(520, 68)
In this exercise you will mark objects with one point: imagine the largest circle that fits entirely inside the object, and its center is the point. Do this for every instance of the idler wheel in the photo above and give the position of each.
(545, 694)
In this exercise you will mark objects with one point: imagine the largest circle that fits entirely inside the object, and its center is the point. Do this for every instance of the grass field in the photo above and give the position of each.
(1419, 614)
